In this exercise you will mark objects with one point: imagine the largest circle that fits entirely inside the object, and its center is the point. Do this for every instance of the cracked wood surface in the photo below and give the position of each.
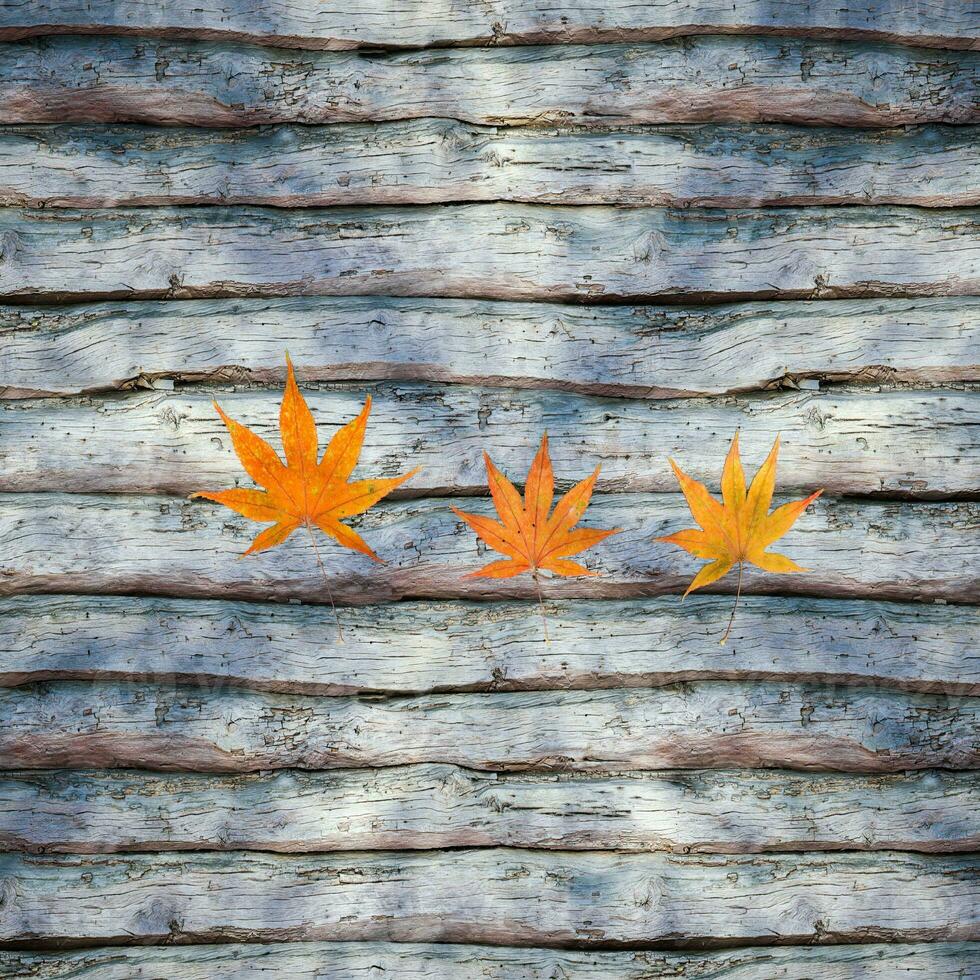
(445, 961)
(502, 897)
(641, 352)
(701, 725)
(105, 544)
(369, 23)
(418, 647)
(918, 443)
(513, 251)
(439, 806)
(703, 79)
(734, 775)
(430, 161)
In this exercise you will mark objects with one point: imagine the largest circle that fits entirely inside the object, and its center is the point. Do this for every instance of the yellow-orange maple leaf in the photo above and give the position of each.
(305, 491)
(532, 540)
(740, 528)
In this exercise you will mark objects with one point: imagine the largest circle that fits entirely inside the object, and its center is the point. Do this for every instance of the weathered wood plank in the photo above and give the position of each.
(432, 806)
(513, 251)
(431, 161)
(91, 544)
(705, 79)
(491, 896)
(367, 23)
(704, 725)
(423, 647)
(644, 352)
(925, 444)
(445, 961)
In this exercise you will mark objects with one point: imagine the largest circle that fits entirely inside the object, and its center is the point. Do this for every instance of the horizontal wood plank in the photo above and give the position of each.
(92, 544)
(418, 647)
(643, 352)
(704, 725)
(367, 23)
(432, 806)
(506, 897)
(513, 251)
(432, 161)
(921, 443)
(705, 79)
(445, 961)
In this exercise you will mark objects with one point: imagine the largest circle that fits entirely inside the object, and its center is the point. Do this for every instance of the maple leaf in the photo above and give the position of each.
(304, 491)
(532, 540)
(739, 529)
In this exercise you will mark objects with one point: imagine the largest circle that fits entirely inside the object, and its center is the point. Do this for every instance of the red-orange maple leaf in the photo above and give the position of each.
(532, 540)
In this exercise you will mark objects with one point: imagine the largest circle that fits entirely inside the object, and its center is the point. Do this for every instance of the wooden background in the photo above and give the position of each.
(638, 226)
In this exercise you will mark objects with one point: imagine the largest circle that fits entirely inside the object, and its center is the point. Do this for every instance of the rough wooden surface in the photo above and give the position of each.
(924, 443)
(445, 961)
(705, 79)
(641, 352)
(100, 545)
(508, 896)
(202, 758)
(418, 647)
(704, 725)
(369, 23)
(513, 251)
(438, 160)
(432, 806)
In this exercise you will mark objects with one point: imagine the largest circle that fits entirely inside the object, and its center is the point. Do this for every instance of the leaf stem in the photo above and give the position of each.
(326, 582)
(544, 618)
(738, 593)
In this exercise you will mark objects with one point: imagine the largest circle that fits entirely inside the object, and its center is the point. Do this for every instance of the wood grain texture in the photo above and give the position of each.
(368, 23)
(445, 961)
(92, 544)
(704, 725)
(705, 79)
(639, 352)
(419, 647)
(512, 251)
(431, 161)
(433, 806)
(506, 897)
(921, 443)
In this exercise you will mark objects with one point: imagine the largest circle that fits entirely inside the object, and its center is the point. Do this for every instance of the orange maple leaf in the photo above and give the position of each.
(739, 529)
(532, 540)
(303, 492)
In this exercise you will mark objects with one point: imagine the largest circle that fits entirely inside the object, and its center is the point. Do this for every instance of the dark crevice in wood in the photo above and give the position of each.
(610, 487)
(868, 290)
(453, 934)
(581, 682)
(873, 377)
(499, 38)
(15, 583)
(297, 202)
(967, 845)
